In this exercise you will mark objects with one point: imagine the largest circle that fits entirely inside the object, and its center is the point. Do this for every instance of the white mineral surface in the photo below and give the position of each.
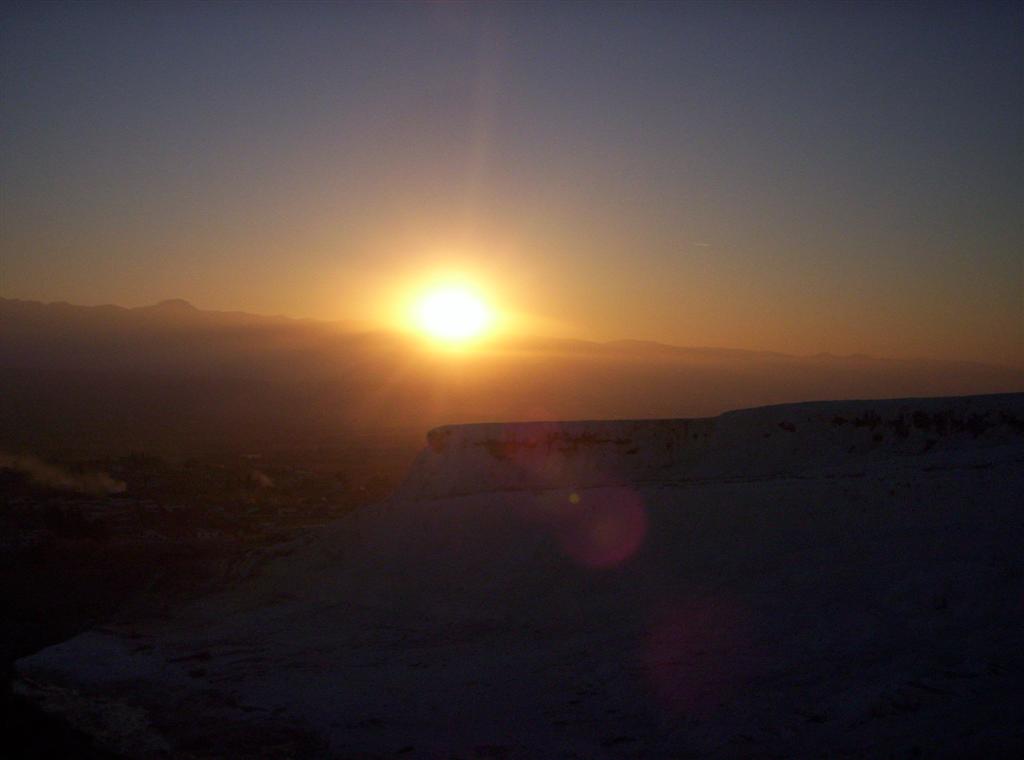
(837, 578)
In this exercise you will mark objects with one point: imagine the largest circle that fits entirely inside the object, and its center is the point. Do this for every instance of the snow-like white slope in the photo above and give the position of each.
(806, 599)
(789, 439)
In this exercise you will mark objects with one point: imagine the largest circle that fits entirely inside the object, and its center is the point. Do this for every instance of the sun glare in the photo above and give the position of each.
(453, 314)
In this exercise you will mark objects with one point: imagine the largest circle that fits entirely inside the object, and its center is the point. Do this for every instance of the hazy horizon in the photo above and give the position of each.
(365, 326)
(184, 379)
(787, 177)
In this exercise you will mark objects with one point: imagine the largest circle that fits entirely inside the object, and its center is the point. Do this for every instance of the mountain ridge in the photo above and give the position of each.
(170, 377)
(183, 308)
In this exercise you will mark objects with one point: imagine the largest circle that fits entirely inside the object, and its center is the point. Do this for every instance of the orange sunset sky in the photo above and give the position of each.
(846, 178)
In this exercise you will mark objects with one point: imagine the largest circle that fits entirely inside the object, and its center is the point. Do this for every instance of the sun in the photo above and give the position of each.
(453, 314)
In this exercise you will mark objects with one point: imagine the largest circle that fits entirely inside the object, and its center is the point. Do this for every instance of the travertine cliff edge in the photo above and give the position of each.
(829, 437)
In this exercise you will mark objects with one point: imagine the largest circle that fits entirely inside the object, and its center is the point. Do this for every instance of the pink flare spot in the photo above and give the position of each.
(603, 527)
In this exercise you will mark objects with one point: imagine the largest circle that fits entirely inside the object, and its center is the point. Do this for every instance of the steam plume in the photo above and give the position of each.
(51, 476)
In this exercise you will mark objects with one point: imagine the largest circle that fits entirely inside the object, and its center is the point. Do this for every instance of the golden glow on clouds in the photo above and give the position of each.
(453, 314)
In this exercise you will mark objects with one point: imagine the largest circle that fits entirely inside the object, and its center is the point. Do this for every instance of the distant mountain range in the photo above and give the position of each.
(171, 377)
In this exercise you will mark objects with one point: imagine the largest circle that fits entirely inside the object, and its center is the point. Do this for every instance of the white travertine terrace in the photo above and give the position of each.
(789, 439)
(840, 578)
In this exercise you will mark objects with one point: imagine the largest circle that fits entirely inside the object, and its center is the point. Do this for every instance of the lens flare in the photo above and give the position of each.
(604, 527)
